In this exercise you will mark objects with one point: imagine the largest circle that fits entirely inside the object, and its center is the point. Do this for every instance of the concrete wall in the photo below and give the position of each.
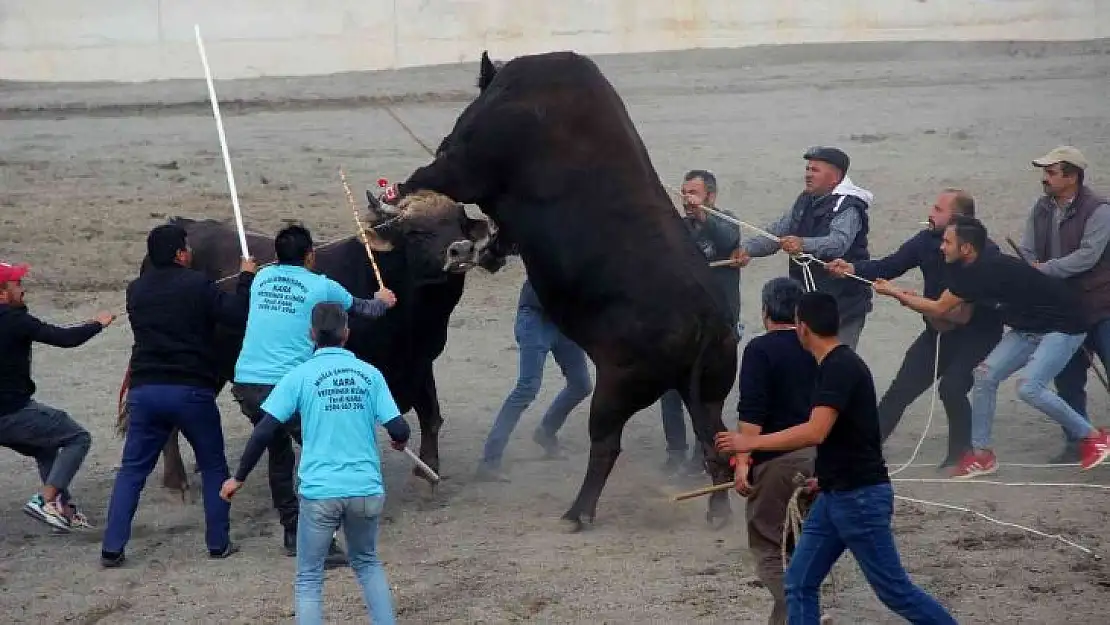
(138, 40)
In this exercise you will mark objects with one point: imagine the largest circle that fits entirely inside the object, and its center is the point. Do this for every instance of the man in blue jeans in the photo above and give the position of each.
(536, 335)
(340, 399)
(1046, 328)
(174, 311)
(276, 340)
(853, 508)
(1066, 237)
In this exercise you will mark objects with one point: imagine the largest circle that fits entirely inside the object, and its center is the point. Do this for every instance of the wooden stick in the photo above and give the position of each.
(361, 230)
(708, 490)
(423, 467)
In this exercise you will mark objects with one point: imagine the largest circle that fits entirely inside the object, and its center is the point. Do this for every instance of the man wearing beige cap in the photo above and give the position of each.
(1065, 237)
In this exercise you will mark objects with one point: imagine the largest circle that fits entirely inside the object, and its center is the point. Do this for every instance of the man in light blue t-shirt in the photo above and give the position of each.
(277, 340)
(340, 399)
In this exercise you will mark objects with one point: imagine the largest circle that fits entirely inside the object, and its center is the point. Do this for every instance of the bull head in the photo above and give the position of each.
(436, 227)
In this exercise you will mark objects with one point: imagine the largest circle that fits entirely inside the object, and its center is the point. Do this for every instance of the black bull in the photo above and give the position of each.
(403, 343)
(547, 150)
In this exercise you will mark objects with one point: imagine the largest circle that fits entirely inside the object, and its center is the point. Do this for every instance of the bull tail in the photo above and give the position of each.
(697, 409)
(123, 413)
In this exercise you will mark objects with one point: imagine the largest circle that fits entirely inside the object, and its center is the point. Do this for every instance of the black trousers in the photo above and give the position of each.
(280, 454)
(961, 350)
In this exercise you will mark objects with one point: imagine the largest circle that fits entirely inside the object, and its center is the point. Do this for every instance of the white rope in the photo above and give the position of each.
(1023, 528)
(932, 410)
(941, 480)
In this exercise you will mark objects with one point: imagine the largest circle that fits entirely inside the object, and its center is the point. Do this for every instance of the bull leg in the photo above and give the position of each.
(719, 513)
(426, 405)
(173, 470)
(614, 401)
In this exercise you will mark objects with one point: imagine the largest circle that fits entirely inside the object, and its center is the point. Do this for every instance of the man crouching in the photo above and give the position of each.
(777, 377)
(340, 399)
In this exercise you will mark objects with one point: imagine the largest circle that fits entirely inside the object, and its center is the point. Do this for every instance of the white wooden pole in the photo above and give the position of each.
(223, 144)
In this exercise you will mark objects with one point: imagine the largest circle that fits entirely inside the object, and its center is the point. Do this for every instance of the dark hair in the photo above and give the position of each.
(706, 176)
(969, 230)
(292, 245)
(962, 202)
(820, 313)
(164, 242)
(780, 299)
(328, 322)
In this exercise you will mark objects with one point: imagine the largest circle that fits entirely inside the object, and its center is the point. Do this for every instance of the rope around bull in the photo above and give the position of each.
(795, 516)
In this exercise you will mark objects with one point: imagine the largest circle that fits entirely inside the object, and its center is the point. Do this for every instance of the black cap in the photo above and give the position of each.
(832, 156)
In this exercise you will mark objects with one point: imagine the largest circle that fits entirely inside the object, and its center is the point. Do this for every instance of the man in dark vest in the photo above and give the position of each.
(829, 221)
(1065, 237)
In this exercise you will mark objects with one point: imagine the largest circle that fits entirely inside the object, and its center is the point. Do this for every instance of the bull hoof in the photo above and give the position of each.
(571, 526)
(718, 519)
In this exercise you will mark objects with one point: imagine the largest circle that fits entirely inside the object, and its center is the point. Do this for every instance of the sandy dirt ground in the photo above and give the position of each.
(86, 170)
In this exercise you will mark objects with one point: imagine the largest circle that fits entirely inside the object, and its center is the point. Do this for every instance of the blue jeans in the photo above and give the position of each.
(857, 520)
(536, 335)
(318, 521)
(155, 410)
(1072, 381)
(1043, 356)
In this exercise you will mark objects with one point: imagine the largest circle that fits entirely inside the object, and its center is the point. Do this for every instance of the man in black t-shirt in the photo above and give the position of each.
(856, 501)
(1046, 328)
(776, 381)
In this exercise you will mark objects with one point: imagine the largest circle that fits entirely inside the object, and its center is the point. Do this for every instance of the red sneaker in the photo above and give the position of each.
(975, 463)
(1094, 449)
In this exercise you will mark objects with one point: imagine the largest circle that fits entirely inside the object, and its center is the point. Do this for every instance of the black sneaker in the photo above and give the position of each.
(224, 553)
(111, 560)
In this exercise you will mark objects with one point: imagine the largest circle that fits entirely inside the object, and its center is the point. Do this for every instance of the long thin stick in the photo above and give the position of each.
(708, 490)
(423, 467)
(361, 230)
(223, 144)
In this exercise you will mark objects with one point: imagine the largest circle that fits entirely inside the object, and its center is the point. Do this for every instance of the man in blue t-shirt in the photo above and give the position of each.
(340, 399)
(277, 340)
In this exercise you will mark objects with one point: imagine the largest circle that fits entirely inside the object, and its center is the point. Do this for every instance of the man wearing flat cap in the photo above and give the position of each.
(829, 221)
(1065, 237)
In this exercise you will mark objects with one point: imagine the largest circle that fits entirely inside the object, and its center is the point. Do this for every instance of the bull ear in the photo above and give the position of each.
(476, 229)
(486, 72)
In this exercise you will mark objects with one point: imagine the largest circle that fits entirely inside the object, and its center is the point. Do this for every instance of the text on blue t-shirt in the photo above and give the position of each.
(340, 399)
(277, 334)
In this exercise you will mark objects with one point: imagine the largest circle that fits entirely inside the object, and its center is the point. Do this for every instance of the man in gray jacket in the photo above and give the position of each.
(1065, 237)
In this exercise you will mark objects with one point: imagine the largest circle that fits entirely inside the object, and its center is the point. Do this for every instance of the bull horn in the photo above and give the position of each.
(378, 207)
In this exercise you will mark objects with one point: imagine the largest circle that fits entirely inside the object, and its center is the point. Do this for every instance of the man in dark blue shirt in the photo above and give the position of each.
(776, 382)
(174, 311)
(969, 335)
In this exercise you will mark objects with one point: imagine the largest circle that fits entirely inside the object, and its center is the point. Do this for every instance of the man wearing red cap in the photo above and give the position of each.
(50, 436)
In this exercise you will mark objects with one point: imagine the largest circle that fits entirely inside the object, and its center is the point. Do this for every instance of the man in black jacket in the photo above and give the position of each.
(968, 336)
(50, 436)
(174, 311)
